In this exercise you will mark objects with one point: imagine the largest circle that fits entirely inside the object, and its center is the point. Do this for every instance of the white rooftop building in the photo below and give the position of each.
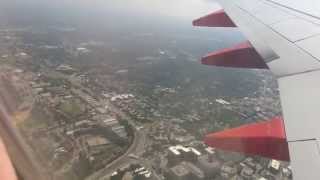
(222, 101)
(178, 148)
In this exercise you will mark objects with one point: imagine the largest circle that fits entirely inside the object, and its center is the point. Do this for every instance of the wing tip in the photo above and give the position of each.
(266, 139)
(242, 55)
(216, 19)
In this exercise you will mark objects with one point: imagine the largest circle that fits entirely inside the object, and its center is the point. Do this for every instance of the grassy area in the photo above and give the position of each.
(72, 108)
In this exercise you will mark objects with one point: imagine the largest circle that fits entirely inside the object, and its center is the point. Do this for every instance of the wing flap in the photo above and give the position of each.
(300, 100)
(307, 7)
(305, 159)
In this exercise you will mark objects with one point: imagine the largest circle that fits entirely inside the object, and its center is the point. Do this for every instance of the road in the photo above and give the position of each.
(136, 147)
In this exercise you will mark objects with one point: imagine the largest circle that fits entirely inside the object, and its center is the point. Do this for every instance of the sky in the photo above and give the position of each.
(170, 18)
(183, 9)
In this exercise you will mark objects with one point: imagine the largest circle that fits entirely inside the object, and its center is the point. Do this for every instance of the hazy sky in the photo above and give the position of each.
(169, 18)
(175, 8)
(185, 9)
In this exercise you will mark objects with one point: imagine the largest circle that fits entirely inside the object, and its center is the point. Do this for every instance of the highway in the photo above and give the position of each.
(136, 147)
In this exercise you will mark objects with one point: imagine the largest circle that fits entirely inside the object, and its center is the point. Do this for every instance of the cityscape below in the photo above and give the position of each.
(97, 97)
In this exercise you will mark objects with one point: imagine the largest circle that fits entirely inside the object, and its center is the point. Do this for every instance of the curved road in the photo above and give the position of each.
(136, 147)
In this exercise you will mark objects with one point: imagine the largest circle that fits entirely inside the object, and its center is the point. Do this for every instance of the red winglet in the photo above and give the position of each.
(266, 139)
(215, 19)
(242, 55)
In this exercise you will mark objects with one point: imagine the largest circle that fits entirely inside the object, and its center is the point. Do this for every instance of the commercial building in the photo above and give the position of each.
(274, 166)
(185, 171)
(210, 165)
(180, 153)
(179, 172)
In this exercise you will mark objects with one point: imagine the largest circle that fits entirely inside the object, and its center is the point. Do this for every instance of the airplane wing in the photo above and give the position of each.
(283, 36)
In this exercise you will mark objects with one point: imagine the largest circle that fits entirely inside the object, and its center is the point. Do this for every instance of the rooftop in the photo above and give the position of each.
(97, 141)
(179, 148)
(180, 170)
(194, 169)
